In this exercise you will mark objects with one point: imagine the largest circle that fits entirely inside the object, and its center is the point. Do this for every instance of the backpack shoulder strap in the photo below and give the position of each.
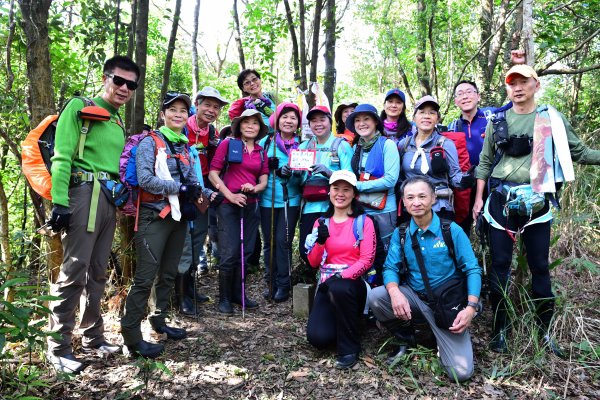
(403, 145)
(358, 227)
(402, 228)
(447, 236)
(334, 146)
(211, 131)
(440, 141)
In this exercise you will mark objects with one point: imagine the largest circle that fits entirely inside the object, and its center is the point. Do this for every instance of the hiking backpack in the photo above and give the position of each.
(461, 196)
(374, 276)
(37, 149)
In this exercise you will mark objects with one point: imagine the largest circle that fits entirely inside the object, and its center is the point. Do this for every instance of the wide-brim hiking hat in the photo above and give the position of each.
(395, 92)
(364, 109)
(172, 97)
(343, 175)
(282, 109)
(523, 70)
(235, 124)
(319, 110)
(208, 91)
(427, 100)
(341, 107)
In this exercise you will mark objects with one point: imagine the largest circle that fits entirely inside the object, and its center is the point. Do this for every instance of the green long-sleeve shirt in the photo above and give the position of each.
(516, 169)
(103, 147)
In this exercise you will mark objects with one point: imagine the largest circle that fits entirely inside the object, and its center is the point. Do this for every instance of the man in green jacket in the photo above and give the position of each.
(84, 215)
(525, 156)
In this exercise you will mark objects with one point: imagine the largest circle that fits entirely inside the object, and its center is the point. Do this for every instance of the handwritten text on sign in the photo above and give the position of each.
(302, 160)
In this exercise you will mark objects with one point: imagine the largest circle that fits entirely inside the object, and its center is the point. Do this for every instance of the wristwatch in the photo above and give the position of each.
(477, 306)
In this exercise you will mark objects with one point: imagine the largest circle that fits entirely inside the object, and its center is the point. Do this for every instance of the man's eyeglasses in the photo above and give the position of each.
(120, 81)
(251, 81)
(468, 92)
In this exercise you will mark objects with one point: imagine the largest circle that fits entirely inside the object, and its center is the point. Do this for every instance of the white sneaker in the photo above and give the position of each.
(66, 364)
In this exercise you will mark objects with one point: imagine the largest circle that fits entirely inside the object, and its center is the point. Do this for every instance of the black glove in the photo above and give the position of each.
(284, 172)
(190, 193)
(60, 218)
(217, 200)
(468, 180)
(273, 163)
(321, 169)
(322, 232)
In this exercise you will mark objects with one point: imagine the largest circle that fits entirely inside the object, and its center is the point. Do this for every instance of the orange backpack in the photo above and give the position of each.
(38, 147)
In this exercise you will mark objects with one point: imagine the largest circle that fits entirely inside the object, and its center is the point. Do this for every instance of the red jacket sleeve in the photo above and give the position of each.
(237, 108)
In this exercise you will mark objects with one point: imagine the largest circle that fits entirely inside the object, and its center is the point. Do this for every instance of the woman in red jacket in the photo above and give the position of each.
(254, 98)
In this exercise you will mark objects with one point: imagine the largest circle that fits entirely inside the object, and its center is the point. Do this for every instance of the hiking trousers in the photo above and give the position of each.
(197, 236)
(158, 244)
(455, 350)
(82, 275)
(229, 216)
(283, 246)
(335, 316)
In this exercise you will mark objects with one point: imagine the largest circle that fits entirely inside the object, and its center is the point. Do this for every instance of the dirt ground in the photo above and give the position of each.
(266, 356)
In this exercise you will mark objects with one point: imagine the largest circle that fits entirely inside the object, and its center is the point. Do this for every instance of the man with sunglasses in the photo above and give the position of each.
(84, 215)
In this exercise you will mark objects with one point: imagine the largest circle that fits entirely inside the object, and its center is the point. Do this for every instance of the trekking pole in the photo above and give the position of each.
(193, 272)
(272, 238)
(287, 229)
(242, 258)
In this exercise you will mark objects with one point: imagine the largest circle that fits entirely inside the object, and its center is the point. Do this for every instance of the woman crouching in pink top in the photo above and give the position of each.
(334, 246)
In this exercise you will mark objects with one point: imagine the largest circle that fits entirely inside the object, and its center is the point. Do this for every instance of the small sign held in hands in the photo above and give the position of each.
(302, 160)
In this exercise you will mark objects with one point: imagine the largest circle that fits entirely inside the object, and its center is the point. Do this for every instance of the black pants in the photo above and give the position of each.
(536, 239)
(335, 317)
(306, 225)
(229, 217)
(282, 257)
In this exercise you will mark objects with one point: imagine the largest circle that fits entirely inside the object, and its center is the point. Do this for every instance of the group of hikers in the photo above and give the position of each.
(375, 207)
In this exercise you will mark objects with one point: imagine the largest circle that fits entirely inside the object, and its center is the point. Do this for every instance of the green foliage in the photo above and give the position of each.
(22, 332)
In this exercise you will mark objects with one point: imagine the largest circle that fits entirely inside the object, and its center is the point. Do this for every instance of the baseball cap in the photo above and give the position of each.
(395, 92)
(523, 70)
(171, 97)
(318, 109)
(208, 91)
(343, 175)
(427, 100)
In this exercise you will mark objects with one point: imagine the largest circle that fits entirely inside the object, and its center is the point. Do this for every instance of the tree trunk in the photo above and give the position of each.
(330, 73)
(292, 29)
(141, 44)
(314, 58)
(195, 69)
(117, 20)
(303, 78)
(527, 32)
(41, 92)
(10, 76)
(433, 74)
(169, 57)
(421, 65)
(238, 35)
(5, 254)
(130, 49)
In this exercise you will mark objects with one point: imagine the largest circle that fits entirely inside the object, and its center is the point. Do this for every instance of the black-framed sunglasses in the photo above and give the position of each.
(120, 81)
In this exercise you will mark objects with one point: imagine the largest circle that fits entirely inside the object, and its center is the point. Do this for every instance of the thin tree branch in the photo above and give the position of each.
(568, 53)
(568, 71)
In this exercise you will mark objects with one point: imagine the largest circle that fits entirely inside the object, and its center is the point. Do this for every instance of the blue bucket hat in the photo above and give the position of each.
(395, 92)
(364, 109)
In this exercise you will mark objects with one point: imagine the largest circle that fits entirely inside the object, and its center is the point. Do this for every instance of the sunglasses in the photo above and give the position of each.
(120, 81)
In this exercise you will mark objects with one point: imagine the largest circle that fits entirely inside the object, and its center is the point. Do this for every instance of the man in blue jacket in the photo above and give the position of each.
(403, 298)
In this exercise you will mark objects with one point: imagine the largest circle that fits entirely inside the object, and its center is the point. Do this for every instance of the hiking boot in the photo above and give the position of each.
(404, 333)
(104, 347)
(186, 305)
(224, 306)
(144, 349)
(347, 361)
(188, 288)
(549, 342)
(266, 294)
(236, 292)
(172, 333)
(281, 295)
(66, 364)
(498, 343)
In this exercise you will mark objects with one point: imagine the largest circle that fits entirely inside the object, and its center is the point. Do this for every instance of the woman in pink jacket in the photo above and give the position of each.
(343, 257)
